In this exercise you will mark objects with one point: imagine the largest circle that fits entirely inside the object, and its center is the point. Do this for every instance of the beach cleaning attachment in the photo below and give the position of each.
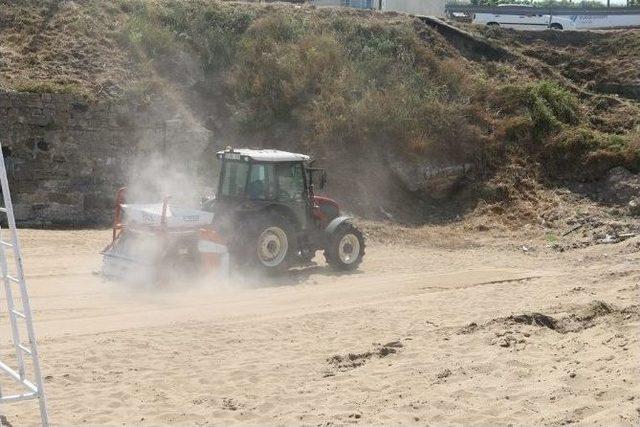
(161, 242)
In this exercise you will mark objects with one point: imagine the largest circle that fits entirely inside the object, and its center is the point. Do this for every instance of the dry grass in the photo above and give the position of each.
(590, 59)
(70, 47)
(351, 87)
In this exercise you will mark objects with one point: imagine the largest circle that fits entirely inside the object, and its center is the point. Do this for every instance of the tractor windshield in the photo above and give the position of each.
(282, 182)
(234, 178)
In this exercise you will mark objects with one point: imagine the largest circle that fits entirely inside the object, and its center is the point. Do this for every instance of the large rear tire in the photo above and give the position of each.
(271, 247)
(345, 247)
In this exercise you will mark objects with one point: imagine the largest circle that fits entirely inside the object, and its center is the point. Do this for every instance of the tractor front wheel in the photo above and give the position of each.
(345, 247)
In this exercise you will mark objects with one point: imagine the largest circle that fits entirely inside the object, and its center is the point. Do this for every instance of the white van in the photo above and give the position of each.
(524, 20)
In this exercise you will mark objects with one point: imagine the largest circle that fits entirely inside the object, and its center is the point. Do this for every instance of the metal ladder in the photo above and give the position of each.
(32, 389)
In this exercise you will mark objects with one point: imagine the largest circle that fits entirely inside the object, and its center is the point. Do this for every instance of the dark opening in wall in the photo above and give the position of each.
(43, 145)
(6, 152)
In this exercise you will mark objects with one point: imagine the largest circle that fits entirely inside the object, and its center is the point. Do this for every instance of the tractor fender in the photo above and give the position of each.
(335, 223)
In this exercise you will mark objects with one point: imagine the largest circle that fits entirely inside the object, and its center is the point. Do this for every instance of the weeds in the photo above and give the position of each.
(546, 105)
(328, 79)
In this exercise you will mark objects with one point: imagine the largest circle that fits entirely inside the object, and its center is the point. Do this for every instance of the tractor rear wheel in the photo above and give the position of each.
(345, 247)
(272, 245)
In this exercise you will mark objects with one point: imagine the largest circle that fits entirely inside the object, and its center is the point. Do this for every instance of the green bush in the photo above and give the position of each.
(548, 105)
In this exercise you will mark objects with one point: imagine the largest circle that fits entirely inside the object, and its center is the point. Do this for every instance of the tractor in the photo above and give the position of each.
(265, 216)
(267, 211)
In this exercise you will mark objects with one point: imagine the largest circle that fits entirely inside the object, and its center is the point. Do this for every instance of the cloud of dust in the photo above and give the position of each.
(174, 158)
(154, 176)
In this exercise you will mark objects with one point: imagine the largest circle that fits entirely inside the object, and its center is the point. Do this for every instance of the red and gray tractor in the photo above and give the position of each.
(265, 216)
(267, 211)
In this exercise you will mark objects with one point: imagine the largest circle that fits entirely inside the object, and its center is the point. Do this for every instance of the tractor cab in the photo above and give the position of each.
(255, 179)
(258, 179)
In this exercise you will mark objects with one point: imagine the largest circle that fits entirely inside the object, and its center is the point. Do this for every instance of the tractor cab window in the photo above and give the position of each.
(290, 182)
(261, 184)
(234, 178)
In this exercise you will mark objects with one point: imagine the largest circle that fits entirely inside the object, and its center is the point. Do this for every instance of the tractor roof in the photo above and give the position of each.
(264, 155)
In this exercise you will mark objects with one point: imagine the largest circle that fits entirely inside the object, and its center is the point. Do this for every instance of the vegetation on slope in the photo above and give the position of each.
(604, 61)
(328, 79)
(336, 79)
(345, 85)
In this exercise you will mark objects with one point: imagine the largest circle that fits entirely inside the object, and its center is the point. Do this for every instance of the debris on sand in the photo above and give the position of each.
(354, 360)
(468, 329)
(536, 319)
(230, 404)
(594, 309)
(444, 374)
(615, 238)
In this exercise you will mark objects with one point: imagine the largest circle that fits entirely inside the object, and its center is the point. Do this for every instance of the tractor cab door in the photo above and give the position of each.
(292, 191)
(282, 183)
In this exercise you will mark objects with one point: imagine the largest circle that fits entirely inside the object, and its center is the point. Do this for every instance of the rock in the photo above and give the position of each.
(621, 186)
(437, 179)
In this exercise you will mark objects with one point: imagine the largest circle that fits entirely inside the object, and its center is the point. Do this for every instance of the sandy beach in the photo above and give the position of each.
(460, 330)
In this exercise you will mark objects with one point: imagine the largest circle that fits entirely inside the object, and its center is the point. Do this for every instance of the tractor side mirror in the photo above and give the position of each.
(312, 173)
(323, 179)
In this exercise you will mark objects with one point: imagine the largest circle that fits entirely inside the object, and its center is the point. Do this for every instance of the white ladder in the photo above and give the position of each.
(31, 389)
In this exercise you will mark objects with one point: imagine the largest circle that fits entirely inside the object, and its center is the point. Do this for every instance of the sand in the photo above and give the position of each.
(423, 334)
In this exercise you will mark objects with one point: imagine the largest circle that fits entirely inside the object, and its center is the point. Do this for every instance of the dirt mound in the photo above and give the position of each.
(577, 319)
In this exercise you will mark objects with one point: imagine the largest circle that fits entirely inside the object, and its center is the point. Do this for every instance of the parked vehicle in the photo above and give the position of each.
(532, 19)
(527, 20)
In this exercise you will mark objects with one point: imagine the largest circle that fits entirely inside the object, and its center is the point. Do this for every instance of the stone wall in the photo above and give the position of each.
(66, 156)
